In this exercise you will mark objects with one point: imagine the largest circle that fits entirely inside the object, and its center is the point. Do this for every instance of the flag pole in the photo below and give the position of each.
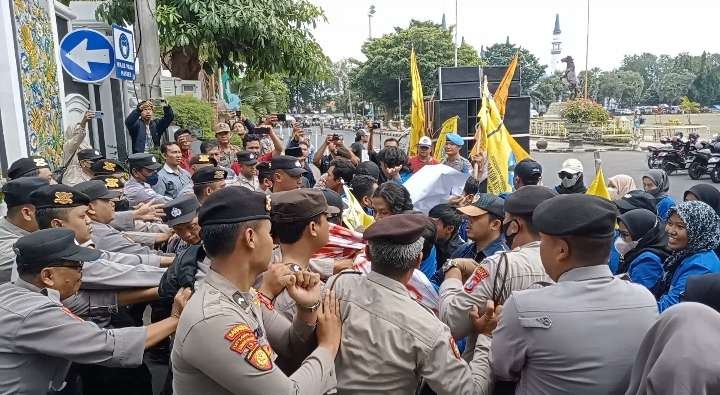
(587, 49)
(456, 33)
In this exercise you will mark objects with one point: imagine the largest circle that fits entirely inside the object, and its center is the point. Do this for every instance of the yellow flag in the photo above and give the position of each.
(354, 216)
(449, 126)
(417, 113)
(502, 151)
(598, 187)
(501, 93)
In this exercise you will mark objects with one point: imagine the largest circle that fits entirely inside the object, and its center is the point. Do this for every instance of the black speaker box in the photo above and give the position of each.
(460, 74)
(460, 90)
(514, 90)
(517, 115)
(496, 73)
(449, 108)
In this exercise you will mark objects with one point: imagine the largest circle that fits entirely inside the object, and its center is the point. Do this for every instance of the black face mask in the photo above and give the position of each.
(508, 238)
(122, 205)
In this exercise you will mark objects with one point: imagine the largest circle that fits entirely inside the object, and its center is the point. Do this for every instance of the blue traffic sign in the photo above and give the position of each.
(87, 55)
(124, 53)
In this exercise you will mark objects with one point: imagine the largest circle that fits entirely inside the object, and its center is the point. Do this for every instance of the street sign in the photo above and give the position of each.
(88, 56)
(124, 53)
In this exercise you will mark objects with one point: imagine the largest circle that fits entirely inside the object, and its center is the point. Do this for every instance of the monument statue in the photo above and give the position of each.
(569, 76)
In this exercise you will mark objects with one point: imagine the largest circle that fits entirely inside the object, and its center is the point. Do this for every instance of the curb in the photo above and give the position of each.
(580, 150)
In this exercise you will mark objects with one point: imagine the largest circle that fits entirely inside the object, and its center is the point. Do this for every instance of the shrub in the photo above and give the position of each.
(191, 113)
(584, 111)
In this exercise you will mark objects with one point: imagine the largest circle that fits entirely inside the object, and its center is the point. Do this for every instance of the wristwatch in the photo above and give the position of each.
(449, 264)
(312, 307)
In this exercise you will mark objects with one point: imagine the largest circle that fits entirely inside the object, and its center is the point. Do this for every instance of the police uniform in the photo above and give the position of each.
(580, 335)
(227, 155)
(389, 341)
(138, 192)
(227, 339)
(74, 174)
(498, 275)
(296, 206)
(41, 337)
(250, 159)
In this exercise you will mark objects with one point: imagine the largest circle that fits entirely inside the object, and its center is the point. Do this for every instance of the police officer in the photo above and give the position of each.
(109, 167)
(181, 216)
(82, 169)
(223, 344)
(143, 175)
(207, 181)
(246, 172)
(581, 335)
(34, 166)
(389, 341)
(500, 274)
(41, 337)
(287, 172)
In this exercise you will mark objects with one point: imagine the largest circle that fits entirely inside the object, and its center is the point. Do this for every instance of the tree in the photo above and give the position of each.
(255, 37)
(530, 67)
(593, 83)
(388, 59)
(261, 96)
(549, 90)
(689, 107)
(632, 84)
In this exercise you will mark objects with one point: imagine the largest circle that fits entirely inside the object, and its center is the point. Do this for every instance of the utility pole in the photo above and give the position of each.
(148, 51)
(456, 32)
(587, 50)
(371, 12)
(399, 102)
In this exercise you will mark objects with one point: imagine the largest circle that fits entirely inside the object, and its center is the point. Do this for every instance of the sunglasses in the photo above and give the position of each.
(566, 175)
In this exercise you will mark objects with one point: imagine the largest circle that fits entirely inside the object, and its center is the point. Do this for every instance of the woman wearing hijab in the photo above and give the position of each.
(642, 246)
(679, 354)
(704, 193)
(620, 185)
(693, 234)
(657, 183)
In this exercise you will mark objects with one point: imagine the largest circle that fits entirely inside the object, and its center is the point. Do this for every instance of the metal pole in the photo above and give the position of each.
(399, 102)
(456, 33)
(149, 51)
(587, 49)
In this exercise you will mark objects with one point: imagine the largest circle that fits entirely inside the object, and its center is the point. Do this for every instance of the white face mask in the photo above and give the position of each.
(569, 182)
(623, 247)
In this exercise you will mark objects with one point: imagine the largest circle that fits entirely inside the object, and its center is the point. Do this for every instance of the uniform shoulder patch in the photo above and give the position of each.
(454, 348)
(236, 331)
(478, 275)
(259, 358)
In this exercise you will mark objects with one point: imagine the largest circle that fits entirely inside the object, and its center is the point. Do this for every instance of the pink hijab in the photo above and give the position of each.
(620, 185)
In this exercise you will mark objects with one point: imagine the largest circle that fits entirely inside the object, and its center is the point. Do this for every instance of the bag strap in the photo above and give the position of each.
(497, 294)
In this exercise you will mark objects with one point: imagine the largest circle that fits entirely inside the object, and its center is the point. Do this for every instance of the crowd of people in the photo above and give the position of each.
(277, 267)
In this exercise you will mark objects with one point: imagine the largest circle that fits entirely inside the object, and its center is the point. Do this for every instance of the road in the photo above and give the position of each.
(633, 164)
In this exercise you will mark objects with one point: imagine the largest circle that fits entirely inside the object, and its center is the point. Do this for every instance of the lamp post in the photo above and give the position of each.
(371, 12)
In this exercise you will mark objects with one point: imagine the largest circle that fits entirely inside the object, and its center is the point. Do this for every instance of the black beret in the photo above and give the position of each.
(576, 215)
(96, 189)
(143, 160)
(299, 205)
(107, 167)
(233, 205)
(524, 200)
(111, 182)
(181, 210)
(89, 154)
(397, 229)
(24, 166)
(247, 158)
(208, 175)
(17, 192)
(289, 164)
(58, 196)
(48, 247)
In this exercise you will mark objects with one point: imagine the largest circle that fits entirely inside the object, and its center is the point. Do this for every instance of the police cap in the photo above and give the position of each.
(89, 154)
(111, 182)
(289, 164)
(485, 203)
(247, 158)
(50, 247)
(233, 205)
(397, 229)
(143, 160)
(96, 189)
(299, 205)
(208, 175)
(17, 192)
(58, 196)
(524, 200)
(576, 215)
(23, 166)
(107, 167)
(181, 210)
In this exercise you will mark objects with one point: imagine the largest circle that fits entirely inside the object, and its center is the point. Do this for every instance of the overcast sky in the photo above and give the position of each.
(617, 27)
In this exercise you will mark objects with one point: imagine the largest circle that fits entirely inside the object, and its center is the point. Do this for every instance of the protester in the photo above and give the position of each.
(171, 178)
(693, 234)
(389, 199)
(393, 163)
(550, 352)
(207, 181)
(265, 178)
(704, 193)
(484, 230)
(657, 183)
(447, 239)
(363, 188)
(41, 337)
(227, 151)
(527, 172)
(631, 201)
(235, 229)
(424, 155)
(339, 174)
(620, 185)
(411, 343)
(252, 143)
(145, 132)
(34, 166)
(143, 176)
(184, 140)
(571, 178)
(704, 289)
(368, 169)
(301, 152)
(678, 354)
(333, 144)
(642, 246)
(453, 145)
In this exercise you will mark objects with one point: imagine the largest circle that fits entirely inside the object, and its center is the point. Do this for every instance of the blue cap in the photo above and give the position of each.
(455, 139)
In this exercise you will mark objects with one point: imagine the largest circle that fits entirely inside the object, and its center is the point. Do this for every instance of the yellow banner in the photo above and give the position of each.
(354, 216)
(449, 126)
(598, 187)
(501, 93)
(417, 113)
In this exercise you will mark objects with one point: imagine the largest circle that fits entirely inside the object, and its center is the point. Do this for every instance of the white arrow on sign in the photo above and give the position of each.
(82, 56)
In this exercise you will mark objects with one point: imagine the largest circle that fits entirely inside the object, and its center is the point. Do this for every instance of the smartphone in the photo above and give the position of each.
(282, 117)
(335, 137)
(262, 130)
(238, 113)
(99, 114)
(377, 125)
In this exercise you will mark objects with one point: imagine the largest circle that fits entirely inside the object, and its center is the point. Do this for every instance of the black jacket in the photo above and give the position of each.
(136, 128)
(182, 272)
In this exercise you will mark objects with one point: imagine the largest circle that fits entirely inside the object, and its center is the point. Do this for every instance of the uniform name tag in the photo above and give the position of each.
(536, 322)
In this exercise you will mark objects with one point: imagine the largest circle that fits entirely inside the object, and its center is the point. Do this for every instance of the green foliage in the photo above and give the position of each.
(256, 37)
(388, 58)
(261, 96)
(530, 67)
(548, 90)
(688, 106)
(190, 113)
(584, 111)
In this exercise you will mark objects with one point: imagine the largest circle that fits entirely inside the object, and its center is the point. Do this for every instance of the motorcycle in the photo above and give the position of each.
(657, 154)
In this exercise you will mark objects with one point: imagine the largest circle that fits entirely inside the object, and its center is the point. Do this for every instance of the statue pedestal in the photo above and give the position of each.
(576, 134)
